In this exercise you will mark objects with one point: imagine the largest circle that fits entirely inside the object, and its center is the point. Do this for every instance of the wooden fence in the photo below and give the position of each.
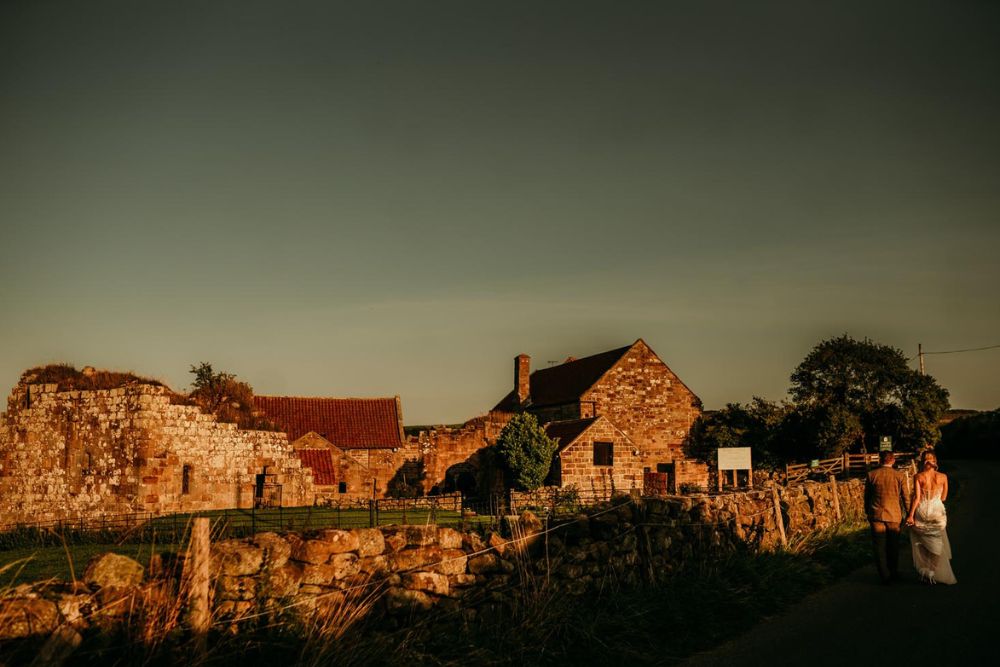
(848, 464)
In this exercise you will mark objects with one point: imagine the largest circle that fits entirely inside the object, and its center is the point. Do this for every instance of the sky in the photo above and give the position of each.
(396, 198)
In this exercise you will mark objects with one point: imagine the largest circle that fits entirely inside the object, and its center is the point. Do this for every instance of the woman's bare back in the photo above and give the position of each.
(931, 483)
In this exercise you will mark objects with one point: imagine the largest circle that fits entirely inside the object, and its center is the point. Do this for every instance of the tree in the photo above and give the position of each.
(850, 392)
(758, 425)
(525, 451)
(226, 397)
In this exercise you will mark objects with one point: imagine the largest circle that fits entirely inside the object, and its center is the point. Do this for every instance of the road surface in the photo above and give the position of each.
(857, 621)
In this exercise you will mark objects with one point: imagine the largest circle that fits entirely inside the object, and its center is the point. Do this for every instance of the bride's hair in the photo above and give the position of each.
(929, 460)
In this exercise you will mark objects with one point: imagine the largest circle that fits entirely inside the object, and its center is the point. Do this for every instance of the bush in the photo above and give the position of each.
(226, 397)
(525, 451)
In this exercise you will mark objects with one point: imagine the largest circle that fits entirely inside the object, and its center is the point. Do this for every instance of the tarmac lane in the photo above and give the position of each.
(858, 621)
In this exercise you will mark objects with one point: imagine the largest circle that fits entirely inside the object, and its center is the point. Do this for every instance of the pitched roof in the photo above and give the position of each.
(566, 382)
(321, 463)
(348, 423)
(567, 431)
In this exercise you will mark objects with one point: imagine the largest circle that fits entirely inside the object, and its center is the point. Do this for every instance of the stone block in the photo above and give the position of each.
(22, 617)
(314, 552)
(449, 538)
(236, 558)
(430, 582)
(453, 562)
(398, 600)
(325, 574)
(340, 541)
(371, 542)
(484, 563)
(111, 570)
(276, 551)
(409, 559)
(235, 588)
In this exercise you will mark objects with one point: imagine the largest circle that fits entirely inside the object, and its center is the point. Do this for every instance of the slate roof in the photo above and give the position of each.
(567, 431)
(348, 423)
(566, 382)
(321, 463)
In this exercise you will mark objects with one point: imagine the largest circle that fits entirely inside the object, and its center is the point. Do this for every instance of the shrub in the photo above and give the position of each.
(525, 451)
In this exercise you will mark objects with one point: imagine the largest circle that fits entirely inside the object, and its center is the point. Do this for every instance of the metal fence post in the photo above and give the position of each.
(371, 513)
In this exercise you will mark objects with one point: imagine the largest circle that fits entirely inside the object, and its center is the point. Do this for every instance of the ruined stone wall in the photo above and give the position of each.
(84, 453)
(451, 456)
(576, 468)
(646, 400)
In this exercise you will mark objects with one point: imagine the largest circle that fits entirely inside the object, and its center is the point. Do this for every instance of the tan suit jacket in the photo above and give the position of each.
(885, 495)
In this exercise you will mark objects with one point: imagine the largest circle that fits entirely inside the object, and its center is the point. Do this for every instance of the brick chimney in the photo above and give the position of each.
(522, 371)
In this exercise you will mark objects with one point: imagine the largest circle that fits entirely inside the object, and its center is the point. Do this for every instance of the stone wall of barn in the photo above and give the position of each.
(647, 401)
(575, 467)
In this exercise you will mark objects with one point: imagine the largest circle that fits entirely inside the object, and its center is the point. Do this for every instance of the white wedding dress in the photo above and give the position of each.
(929, 538)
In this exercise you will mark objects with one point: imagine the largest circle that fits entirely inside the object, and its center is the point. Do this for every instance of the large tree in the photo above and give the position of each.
(852, 392)
(525, 451)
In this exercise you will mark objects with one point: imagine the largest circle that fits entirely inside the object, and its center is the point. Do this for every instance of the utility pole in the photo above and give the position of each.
(920, 356)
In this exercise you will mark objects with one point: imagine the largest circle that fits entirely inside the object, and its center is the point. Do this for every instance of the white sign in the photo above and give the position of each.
(734, 458)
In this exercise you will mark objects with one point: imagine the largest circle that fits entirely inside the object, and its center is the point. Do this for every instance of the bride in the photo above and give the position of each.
(929, 537)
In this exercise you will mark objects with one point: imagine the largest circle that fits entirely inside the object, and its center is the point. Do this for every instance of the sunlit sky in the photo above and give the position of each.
(380, 198)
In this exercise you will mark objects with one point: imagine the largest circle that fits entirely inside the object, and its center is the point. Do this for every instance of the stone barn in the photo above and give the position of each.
(595, 456)
(69, 453)
(353, 445)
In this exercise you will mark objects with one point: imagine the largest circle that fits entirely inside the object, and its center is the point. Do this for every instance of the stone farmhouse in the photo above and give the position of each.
(354, 446)
(625, 406)
(69, 454)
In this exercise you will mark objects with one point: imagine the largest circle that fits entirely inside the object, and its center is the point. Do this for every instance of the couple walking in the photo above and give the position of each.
(885, 505)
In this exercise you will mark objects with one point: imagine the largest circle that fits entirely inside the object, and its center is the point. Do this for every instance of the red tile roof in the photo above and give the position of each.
(321, 463)
(348, 423)
(566, 382)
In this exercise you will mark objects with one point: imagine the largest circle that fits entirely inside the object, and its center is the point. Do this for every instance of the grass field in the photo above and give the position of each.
(29, 564)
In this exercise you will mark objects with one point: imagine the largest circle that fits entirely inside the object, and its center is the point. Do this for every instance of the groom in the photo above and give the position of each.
(885, 505)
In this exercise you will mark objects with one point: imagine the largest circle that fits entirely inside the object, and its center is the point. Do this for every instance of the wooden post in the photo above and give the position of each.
(778, 521)
(720, 480)
(836, 498)
(199, 555)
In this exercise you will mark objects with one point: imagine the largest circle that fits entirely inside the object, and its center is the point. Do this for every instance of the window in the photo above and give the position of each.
(342, 487)
(604, 454)
(186, 479)
(664, 467)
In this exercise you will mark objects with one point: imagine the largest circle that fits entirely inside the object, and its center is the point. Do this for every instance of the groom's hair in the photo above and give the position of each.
(886, 457)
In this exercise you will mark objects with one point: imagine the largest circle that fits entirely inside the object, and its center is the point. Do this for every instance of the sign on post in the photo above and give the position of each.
(735, 459)
(885, 443)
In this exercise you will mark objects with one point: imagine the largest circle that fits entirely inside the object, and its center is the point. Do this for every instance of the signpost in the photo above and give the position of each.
(735, 459)
(885, 443)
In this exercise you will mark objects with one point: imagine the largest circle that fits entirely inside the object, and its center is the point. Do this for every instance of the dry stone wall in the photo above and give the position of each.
(72, 454)
(418, 568)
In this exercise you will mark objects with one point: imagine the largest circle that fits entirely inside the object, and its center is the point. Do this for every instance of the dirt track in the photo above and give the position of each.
(857, 621)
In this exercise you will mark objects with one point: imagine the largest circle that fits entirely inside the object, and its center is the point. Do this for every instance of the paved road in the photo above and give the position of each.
(857, 621)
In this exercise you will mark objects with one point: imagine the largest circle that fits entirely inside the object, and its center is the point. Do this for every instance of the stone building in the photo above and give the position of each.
(80, 453)
(636, 394)
(353, 445)
(595, 456)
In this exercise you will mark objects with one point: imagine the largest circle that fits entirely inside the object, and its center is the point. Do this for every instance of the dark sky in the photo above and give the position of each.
(375, 198)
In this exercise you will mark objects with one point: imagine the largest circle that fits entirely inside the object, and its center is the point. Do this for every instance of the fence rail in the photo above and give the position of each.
(848, 464)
